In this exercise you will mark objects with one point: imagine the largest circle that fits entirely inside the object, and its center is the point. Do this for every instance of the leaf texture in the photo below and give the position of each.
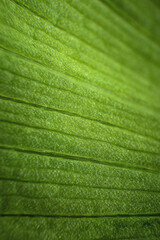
(79, 119)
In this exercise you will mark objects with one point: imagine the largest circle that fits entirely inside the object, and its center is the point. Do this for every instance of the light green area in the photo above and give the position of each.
(79, 119)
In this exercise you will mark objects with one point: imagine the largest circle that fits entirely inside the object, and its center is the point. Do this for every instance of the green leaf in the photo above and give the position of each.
(80, 119)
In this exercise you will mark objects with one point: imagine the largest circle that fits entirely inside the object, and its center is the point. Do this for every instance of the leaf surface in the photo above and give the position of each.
(79, 119)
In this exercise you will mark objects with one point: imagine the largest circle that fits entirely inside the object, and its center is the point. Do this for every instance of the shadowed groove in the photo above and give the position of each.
(78, 136)
(78, 186)
(80, 158)
(74, 114)
(83, 216)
